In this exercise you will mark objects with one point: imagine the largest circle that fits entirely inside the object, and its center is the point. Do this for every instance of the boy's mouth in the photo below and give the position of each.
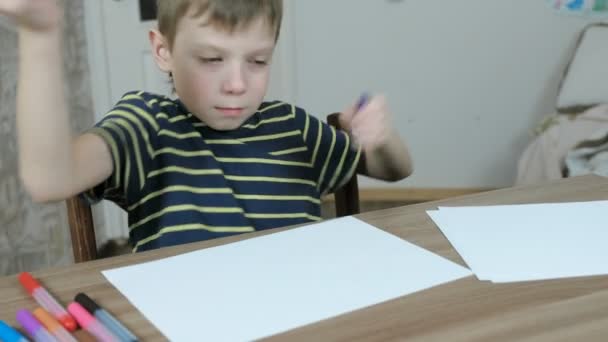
(230, 111)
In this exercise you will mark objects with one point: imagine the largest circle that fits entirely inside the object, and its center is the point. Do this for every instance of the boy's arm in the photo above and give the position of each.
(53, 165)
(390, 162)
(385, 154)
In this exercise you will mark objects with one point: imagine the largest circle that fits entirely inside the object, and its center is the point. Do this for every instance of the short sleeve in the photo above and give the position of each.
(334, 156)
(129, 130)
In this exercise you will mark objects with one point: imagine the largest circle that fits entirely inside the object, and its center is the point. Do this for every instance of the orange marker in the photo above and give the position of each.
(53, 326)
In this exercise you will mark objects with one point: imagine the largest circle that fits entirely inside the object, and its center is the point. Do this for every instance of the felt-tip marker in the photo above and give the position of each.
(105, 318)
(8, 334)
(43, 297)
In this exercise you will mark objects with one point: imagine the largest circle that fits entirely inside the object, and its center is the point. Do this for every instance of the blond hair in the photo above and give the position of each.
(226, 14)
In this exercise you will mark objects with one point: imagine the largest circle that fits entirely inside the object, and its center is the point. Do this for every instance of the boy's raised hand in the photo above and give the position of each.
(33, 15)
(370, 125)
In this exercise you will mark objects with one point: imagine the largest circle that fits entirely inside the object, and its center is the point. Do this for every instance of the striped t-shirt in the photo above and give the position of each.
(181, 181)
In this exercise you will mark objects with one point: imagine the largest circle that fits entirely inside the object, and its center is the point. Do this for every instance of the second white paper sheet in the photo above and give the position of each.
(530, 241)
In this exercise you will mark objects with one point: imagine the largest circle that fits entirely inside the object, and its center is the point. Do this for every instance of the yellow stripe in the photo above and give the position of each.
(135, 120)
(182, 153)
(283, 216)
(271, 107)
(271, 136)
(327, 158)
(182, 188)
(139, 96)
(223, 142)
(110, 140)
(270, 179)
(112, 126)
(289, 151)
(167, 103)
(188, 171)
(179, 118)
(178, 135)
(262, 161)
(141, 112)
(140, 168)
(200, 124)
(306, 126)
(162, 115)
(277, 198)
(272, 120)
(255, 138)
(186, 207)
(352, 170)
(136, 96)
(193, 226)
(338, 170)
(313, 161)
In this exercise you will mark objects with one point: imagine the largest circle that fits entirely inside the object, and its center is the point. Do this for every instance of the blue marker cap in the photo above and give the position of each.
(362, 101)
(8, 334)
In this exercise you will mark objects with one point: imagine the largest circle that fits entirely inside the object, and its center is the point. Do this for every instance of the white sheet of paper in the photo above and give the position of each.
(270, 284)
(529, 242)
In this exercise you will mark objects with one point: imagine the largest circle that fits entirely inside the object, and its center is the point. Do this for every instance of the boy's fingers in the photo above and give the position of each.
(346, 117)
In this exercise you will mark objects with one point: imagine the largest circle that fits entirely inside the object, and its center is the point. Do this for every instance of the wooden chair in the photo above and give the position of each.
(82, 230)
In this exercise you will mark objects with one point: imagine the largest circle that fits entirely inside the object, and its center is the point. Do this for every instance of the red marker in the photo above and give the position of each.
(47, 301)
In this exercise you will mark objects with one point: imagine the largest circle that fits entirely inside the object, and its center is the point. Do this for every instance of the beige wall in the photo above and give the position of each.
(467, 81)
(37, 236)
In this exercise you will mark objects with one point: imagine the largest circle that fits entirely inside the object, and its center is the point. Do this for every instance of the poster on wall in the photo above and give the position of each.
(581, 7)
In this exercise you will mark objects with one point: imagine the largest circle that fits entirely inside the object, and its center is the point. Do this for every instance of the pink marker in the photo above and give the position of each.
(90, 324)
(47, 301)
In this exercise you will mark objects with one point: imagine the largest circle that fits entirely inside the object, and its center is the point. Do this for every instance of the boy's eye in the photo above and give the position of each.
(260, 62)
(210, 59)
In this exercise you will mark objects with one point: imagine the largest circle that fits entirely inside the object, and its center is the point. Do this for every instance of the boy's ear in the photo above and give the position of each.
(160, 50)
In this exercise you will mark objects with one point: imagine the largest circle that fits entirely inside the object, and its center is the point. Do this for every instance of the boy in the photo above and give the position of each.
(213, 162)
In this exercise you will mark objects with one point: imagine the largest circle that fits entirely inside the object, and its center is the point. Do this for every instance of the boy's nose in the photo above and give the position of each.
(235, 81)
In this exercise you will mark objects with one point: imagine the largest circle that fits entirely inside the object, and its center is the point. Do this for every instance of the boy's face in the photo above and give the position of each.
(221, 77)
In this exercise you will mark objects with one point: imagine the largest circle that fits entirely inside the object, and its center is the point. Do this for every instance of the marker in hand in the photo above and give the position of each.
(361, 102)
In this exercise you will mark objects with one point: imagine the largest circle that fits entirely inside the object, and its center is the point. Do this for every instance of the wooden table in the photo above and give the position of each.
(574, 309)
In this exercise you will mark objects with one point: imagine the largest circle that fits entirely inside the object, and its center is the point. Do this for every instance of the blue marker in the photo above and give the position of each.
(8, 334)
(111, 323)
(362, 101)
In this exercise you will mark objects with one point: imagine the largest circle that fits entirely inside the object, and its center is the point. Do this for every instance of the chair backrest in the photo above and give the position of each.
(82, 229)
